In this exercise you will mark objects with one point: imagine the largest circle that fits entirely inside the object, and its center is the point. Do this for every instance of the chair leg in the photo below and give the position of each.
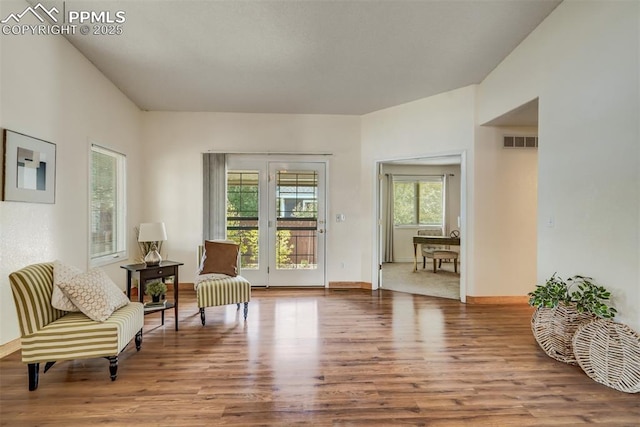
(139, 340)
(33, 369)
(424, 262)
(455, 265)
(434, 265)
(48, 365)
(113, 367)
(440, 263)
(246, 310)
(202, 315)
(238, 306)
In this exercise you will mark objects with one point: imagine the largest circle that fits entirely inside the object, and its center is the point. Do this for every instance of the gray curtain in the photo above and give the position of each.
(388, 211)
(214, 205)
(446, 227)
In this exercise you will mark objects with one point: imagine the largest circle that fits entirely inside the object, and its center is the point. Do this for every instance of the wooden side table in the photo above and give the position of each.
(162, 271)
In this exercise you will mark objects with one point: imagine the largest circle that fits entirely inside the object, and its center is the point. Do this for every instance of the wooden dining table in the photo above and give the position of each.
(431, 240)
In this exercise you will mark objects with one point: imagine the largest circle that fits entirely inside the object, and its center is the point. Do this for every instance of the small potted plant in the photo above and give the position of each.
(560, 310)
(156, 289)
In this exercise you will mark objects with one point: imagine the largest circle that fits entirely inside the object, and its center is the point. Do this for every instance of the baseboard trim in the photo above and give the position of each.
(516, 299)
(350, 285)
(9, 348)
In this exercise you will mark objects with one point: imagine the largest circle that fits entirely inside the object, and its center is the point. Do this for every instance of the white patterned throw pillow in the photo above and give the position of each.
(95, 294)
(63, 273)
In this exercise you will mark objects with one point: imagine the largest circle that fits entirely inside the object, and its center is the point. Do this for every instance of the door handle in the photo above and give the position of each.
(320, 231)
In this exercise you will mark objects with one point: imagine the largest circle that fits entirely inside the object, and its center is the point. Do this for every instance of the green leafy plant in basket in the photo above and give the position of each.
(588, 298)
(553, 292)
(560, 310)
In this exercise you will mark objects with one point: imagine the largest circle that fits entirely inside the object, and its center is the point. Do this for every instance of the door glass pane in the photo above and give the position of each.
(242, 215)
(296, 219)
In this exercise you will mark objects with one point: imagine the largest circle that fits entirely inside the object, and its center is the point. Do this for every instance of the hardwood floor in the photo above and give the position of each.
(323, 357)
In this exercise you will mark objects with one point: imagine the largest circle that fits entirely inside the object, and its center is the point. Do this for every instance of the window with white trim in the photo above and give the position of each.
(107, 211)
(418, 201)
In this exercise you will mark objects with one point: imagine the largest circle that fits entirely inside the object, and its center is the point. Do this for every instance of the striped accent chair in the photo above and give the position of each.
(212, 292)
(50, 335)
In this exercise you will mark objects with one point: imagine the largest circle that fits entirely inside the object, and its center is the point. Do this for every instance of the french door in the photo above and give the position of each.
(276, 212)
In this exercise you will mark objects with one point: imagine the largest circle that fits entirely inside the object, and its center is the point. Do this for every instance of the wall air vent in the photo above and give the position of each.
(520, 142)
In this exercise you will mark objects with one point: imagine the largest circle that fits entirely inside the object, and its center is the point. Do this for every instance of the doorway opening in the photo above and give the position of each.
(420, 194)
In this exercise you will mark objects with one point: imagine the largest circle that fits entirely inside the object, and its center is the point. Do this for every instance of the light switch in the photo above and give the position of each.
(340, 217)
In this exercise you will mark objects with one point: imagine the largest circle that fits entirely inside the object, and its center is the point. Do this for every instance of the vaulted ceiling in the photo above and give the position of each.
(326, 57)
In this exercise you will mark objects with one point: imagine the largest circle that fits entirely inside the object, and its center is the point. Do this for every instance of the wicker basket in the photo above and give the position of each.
(609, 353)
(553, 329)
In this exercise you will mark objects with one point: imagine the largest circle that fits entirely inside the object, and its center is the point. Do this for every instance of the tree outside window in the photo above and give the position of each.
(418, 202)
(107, 210)
(242, 221)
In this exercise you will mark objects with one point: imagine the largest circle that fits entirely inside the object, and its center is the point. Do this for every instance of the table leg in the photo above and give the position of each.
(175, 296)
(129, 284)
(415, 257)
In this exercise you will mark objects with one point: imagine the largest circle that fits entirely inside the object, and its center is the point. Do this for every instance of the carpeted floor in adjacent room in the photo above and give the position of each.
(399, 276)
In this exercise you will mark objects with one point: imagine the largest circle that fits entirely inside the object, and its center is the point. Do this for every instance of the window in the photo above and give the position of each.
(418, 201)
(243, 215)
(107, 211)
(296, 219)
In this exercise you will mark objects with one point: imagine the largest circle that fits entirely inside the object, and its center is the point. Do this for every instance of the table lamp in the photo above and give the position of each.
(152, 232)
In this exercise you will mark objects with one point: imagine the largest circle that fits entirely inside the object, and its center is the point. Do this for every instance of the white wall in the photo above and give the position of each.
(173, 147)
(50, 91)
(505, 214)
(582, 63)
(441, 124)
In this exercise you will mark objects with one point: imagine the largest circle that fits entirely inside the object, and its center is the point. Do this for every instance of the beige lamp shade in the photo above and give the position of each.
(152, 232)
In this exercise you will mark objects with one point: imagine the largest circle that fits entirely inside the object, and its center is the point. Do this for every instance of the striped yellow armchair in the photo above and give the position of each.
(50, 335)
(219, 289)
